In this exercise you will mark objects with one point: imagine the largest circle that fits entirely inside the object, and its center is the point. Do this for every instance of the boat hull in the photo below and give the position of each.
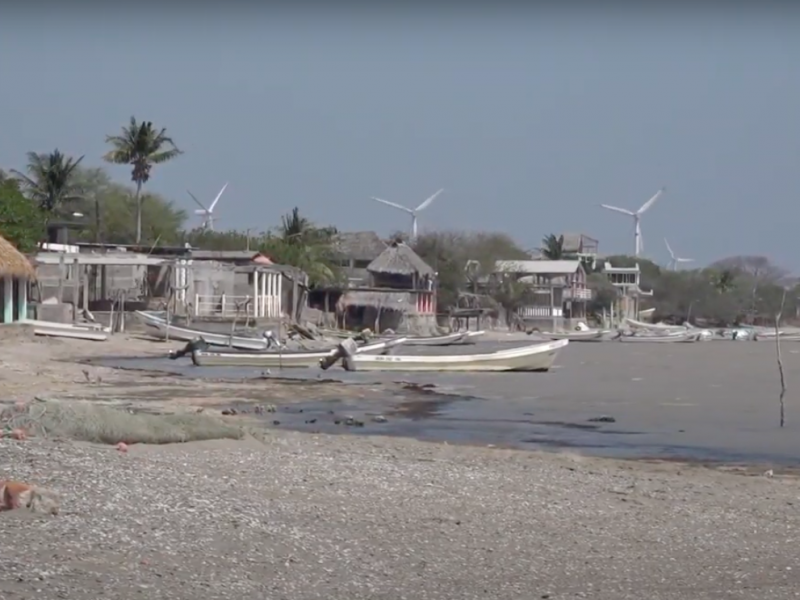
(536, 357)
(661, 339)
(576, 336)
(160, 329)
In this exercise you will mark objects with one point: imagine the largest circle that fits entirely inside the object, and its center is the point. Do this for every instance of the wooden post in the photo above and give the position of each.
(61, 275)
(85, 289)
(76, 289)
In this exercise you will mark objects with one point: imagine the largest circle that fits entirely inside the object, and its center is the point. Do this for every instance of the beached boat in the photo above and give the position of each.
(273, 359)
(160, 329)
(457, 337)
(591, 335)
(76, 333)
(659, 327)
(667, 338)
(535, 357)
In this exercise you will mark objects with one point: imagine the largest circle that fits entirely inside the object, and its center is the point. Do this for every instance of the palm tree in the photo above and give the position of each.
(50, 180)
(140, 145)
(553, 247)
(294, 227)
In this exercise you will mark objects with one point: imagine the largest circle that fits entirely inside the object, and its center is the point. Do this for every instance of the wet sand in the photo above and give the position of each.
(713, 401)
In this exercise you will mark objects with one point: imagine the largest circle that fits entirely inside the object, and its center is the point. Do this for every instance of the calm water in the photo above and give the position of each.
(713, 401)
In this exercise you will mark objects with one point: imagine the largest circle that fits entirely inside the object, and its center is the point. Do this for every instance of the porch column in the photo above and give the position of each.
(8, 299)
(278, 294)
(262, 305)
(270, 308)
(256, 291)
(22, 301)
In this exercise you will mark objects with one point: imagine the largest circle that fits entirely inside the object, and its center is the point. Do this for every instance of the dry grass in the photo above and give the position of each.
(90, 422)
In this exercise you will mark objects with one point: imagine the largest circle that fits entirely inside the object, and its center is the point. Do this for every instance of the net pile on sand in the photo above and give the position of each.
(91, 422)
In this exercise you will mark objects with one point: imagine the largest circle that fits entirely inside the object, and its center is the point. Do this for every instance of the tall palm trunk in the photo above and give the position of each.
(138, 212)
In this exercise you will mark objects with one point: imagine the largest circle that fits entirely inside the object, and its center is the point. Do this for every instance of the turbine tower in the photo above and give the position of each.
(638, 242)
(413, 212)
(207, 213)
(674, 260)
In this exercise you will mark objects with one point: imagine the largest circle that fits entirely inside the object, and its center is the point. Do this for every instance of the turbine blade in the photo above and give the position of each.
(650, 202)
(685, 259)
(200, 211)
(392, 204)
(671, 253)
(619, 210)
(427, 202)
(195, 199)
(214, 203)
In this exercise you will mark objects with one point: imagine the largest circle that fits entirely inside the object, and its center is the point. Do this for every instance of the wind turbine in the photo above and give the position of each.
(412, 212)
(207, 213)
(674, 260)
(638, 242)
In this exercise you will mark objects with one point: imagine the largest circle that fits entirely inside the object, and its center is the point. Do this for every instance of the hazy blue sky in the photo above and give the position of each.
(528, 119)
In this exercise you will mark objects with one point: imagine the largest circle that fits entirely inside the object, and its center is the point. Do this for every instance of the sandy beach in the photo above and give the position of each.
(301, 516)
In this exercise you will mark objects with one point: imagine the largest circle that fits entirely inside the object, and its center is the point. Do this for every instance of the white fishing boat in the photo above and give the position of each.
(77, 333)
(273, 359)
(591, 335)
(160, 329)
(457, 337)
(535, 357)
(659, 327)
(666, 338)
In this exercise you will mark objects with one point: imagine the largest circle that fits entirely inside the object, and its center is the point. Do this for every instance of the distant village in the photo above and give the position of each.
(95, 247)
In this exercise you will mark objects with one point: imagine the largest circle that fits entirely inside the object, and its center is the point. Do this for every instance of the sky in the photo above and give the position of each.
(529, 118)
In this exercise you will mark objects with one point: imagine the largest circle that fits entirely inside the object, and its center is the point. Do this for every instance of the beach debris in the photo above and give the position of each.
(17, 495)
(122, 447)
(379, 419)
(769, 473)
(602, 419)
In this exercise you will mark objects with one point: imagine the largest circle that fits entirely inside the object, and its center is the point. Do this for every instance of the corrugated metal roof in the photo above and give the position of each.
(538, 267)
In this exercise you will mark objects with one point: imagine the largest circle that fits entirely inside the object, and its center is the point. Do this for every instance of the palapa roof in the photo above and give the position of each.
(399, 259)
(13, 263)
(359, 245)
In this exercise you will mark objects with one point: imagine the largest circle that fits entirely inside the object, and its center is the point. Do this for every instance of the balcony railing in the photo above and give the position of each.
(577, 294)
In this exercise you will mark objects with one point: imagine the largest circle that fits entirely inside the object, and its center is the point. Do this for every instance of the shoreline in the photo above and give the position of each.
(168, 390)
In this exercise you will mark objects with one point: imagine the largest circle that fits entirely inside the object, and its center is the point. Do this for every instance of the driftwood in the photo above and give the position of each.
(780, 360)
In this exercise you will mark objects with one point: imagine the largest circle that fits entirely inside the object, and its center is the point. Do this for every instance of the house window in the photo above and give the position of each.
(361, 264)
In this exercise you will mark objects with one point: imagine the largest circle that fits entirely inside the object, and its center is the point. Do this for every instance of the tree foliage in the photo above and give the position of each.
(462, 259)
(740, 289)
(21, 221)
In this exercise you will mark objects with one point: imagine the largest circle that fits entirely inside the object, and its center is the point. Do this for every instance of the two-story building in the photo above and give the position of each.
(627, 281)
(559, 290)
(400, 295)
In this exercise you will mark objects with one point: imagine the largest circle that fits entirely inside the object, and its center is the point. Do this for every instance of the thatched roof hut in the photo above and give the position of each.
(359, 245)
(400, 259)
(13, 263)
